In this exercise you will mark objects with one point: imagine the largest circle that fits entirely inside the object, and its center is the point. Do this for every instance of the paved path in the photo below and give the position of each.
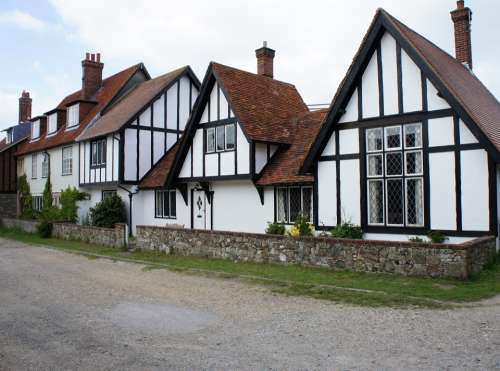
(63, 311)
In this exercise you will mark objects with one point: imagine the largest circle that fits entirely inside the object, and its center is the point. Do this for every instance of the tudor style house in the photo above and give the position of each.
(236, 167)
(118, 149)
(52, 149)
(410, 142)
(15, 136)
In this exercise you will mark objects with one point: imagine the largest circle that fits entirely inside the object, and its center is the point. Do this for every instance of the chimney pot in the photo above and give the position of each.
(87, 56)
(98, 57)
(92, 57)
(265, 60)
(461, 18)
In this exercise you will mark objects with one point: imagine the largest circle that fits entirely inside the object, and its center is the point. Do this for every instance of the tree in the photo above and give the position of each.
(47, 195)
(69, 209)
(25, 198)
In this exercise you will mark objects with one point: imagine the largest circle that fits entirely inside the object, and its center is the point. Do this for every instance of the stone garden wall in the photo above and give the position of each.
(28, 226)
(407, 258)
(114, 237)
(8, 205)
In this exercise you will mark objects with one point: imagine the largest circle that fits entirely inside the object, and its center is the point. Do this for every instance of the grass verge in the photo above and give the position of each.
(367, 289)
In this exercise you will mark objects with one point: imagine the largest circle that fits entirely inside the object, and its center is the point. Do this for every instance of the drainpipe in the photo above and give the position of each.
(130, 195)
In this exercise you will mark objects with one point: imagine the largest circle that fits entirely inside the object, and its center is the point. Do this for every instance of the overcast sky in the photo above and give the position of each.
(43, 42)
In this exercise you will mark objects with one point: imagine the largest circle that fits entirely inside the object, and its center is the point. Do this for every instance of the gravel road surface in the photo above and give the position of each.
(60, 311)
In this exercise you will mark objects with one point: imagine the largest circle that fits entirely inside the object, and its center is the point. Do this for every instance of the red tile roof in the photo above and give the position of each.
(129, 105)
(158, 175)
(110, 87)
(285, 166)
(263, 105)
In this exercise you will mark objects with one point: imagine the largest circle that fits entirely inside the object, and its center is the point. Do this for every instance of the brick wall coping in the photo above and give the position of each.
(462, 246)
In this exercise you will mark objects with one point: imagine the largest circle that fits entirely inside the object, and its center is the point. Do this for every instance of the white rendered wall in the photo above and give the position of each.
(349, 191)
(197, 150)
(329, 149)
(434, 102)
(475, 195)
(442, 190)
(130, 162)
(243, 149)
(370, 92)
(348, 141)
(260, 156)
(227, 163)
(389, 74)
(412, 84)
(351, 110)
(441, 132)
(237, 207)
(327, 193)
(466, 135)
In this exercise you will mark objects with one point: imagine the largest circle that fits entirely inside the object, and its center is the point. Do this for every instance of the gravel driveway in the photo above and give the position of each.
(64, 311)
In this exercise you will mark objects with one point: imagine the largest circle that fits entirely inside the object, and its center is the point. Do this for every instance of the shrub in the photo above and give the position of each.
(301, 227)
(275, 228)
(47, 195)
(44, 229)
(347, 230)
(108, 212)
(436, 237)
(25, 198)
(68, 200)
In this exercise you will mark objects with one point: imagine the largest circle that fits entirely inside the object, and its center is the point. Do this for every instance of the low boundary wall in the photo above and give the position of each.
(407, 258)
(114, 237)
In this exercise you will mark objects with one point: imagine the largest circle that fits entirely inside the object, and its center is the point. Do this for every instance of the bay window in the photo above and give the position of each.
(293, 201)
(394, 170)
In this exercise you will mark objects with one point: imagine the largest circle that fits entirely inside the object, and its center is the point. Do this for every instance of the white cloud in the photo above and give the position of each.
(23, 20)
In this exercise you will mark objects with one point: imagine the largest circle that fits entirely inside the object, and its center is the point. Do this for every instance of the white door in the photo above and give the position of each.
(200, 210)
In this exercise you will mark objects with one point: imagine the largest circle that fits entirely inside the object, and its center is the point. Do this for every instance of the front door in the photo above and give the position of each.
(200, 210)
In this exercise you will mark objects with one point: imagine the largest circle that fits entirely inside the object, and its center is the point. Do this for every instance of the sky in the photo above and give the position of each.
(44, 41)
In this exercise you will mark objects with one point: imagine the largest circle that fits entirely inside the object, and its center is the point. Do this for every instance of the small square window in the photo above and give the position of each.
(393, 138)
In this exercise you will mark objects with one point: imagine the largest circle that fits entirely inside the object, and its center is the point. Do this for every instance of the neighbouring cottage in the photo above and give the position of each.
(52, 149)
(119, 149)
(410, 142)
(237, 164)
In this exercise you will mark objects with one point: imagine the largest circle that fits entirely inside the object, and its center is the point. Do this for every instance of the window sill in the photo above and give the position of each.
(68, 174)
(98, 166)
(74, 127)
(166, 217)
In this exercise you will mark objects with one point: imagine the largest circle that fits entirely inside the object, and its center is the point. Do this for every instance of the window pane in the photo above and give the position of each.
(295, 203)
(307, 203)
(220, 138)
(158, 204)
(173, 211)
(211, 140)
(374, 139)
(394, 164)
(282, 205)
(393, 137)
(413, 135)
(375, 202)
(414, 202)
(375, 165)
(395, 201)
(166, 203)
(414, 163)
(94, 154)
(230, 137)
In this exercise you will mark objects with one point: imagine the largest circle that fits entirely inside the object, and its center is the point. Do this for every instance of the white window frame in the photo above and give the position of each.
(233, 126)
(401, 180)
(67, 163)
(288, 211)
(35, 125)
(73, 116)
(401, 153)
(9, 137)
(223, 146)
(45, 165)
(374, 154)
(160, 203)
(37, 202)
(108, 193)
(52, 124)
(378, 180)
(386, 147)
(381, 130)
(99, 159)
(34, 166)
(405, 127)
(210, 130)
(406, 200)
(405, 163)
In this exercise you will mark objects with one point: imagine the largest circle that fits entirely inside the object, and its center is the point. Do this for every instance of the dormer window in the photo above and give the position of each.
(73, 115)
(35, 129)
(9, 139)
(52, 124)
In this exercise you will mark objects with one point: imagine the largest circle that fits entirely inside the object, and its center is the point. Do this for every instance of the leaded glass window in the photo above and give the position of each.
(394, 168)
(293, 201)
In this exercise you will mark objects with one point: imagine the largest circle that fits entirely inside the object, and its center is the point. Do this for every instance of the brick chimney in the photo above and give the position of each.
(265, 57)
(91, 75)
(462, 17)
(24, 107)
